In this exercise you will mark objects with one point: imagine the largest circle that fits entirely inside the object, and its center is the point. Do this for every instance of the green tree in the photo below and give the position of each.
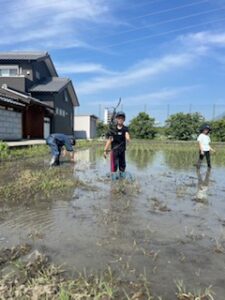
(184, 127)
(218, 130)
(142, 126)
(101, 129)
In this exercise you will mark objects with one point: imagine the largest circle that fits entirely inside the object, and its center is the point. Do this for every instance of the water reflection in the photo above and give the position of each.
(203, 185)
(179, 160)
(87, 156)
(141, 158)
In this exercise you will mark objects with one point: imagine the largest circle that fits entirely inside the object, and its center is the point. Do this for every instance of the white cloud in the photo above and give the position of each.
(188, 48)
(82, 68)
(204, 38)
(141, 72)
(52, 21)
(153, 98)
(156, 97)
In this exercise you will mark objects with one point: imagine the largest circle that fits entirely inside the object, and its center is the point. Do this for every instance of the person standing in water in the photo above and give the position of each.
(204, 146)
(117, 139)
(56, 142)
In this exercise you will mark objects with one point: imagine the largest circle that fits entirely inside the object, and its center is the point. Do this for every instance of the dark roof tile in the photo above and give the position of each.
(53, 84)
(22, 55)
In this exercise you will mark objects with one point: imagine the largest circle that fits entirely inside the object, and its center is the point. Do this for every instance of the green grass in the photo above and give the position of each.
(35, 278)
(178, 155)
(28, 185)
(7, 153)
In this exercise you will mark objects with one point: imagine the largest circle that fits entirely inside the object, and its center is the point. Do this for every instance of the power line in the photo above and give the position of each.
(27, 8)
(50, 4)
(168, 10)
(142, 4)
(161, 34)
(166, 21)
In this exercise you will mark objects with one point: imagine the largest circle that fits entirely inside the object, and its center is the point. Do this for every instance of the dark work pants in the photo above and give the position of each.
(118, 160)
(201, 157)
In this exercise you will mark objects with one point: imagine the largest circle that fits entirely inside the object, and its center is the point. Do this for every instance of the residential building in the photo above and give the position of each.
(22, 116)
(32, 76)
(107, 115)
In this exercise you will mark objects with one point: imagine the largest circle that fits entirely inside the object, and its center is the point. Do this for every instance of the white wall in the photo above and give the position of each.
(84, 127)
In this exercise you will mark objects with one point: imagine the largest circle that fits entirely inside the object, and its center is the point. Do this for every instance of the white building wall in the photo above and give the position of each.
(82, 127)
(85, 127)
(106, 116)
(10, 125)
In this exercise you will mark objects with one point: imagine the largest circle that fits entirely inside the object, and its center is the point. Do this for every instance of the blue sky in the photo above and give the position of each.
(159, 56)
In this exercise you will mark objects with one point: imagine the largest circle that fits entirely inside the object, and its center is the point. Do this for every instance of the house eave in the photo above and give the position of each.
(73, 94)
(26, 98)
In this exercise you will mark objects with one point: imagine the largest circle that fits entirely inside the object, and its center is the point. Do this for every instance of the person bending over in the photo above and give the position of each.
(56, 142)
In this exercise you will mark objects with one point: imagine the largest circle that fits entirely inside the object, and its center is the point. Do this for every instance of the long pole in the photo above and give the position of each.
(214, 111)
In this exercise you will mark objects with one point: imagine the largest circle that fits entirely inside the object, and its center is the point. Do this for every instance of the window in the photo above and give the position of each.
(60, 112)
(38, 75)
(66, 97)
(9, 71)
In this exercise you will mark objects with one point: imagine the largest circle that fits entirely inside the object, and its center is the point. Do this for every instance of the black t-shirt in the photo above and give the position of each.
(118, 136)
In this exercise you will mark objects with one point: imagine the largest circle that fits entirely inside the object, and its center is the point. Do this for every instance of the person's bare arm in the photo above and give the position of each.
(64, 152)
(201, 147)
(212, 150)
(107, 146)
(72, 156)
(127, 135)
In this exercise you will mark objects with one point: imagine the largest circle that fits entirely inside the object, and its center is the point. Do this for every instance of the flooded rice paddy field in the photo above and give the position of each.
(167, 222)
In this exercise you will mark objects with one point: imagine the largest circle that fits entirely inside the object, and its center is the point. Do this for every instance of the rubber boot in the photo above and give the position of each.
(54, 161)
(114, 176)
(122, 175)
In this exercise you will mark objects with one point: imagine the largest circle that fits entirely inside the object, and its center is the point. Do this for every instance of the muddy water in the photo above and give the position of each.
(168, 222)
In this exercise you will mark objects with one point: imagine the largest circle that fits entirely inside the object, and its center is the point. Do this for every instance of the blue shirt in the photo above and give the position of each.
(62, 140)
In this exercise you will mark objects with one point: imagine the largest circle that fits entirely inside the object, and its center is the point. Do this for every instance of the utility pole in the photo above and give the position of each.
(190, 108)
(99, 111)
(214, 111)
(168, 110)
(145, 108)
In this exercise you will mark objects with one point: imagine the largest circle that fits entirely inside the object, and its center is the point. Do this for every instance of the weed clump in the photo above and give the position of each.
(32, 184)
(183, 294)
(34, 277)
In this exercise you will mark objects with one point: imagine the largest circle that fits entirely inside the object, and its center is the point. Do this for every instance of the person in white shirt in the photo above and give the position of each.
(204, 146)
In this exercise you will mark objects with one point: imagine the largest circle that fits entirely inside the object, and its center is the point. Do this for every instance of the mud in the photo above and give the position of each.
(168, 224)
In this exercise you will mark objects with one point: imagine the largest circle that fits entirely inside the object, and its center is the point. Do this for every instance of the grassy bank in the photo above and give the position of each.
(7, 153)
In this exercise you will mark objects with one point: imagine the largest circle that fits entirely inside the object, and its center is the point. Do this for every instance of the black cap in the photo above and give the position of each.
(205, 126)
(120, 114)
